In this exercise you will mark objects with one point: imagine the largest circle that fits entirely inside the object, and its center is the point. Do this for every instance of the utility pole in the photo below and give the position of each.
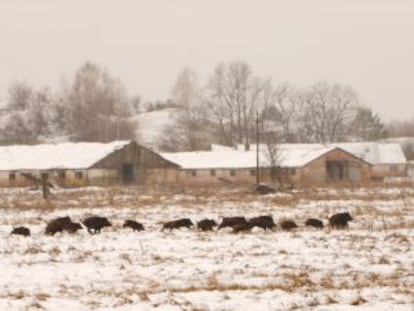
(45, 186)
(257, 148)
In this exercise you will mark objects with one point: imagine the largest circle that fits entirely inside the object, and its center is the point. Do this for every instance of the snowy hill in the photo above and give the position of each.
(400, 140)
(151, 125)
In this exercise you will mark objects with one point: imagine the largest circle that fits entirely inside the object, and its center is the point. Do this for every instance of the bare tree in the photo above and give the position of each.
(234, 94)
(324, 111)
(302, 117)
(343, 101)
(20, 95)
(40, 113)
(273, 152)
(29, 115)
(278, 108)
(17, 130)
(97, 106)
(136, 103)
(190, 130)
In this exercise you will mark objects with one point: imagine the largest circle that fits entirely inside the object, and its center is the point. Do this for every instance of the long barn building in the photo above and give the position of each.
(296, 164)
(126, 162)
(78, 164)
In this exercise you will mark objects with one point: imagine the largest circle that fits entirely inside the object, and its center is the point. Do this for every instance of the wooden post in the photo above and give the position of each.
(45, 186)
(257, 148)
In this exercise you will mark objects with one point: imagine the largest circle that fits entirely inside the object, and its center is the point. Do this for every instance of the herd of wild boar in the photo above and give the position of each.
(94, 224)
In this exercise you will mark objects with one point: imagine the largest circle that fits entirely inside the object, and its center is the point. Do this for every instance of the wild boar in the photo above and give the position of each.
(94, 224)
(134, 225)
(175, 224)
(21, 231)
(206, 225)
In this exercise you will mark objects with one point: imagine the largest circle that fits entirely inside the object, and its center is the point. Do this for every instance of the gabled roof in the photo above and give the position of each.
(375, 153)
(287, 156)
(371, 152)
(56, 156)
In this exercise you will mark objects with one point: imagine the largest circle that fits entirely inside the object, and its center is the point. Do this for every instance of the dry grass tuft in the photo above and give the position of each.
(121, 301)
(327, 282)
(383, 261)
(54, 252)
(18, 295)
(33, 250)
(143, 296)
(212, 282)
(82, 256)
(126, 257)
(298, 280)
(35, 305)
(397, 238)
(42, 296)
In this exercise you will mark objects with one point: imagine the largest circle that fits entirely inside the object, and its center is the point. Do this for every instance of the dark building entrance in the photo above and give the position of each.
(342, 171)
(127, 173)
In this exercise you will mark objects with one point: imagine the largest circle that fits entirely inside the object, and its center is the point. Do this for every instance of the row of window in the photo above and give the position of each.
(252, 172)
(213, 172)
(61, 175)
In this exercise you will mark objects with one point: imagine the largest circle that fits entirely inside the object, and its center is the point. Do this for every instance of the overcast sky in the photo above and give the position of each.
(366, 44)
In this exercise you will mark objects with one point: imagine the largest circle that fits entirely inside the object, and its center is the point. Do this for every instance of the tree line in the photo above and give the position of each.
(225, 108)
(95, 106)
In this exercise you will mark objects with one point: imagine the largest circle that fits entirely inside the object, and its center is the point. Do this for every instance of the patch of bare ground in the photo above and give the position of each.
(141, 197)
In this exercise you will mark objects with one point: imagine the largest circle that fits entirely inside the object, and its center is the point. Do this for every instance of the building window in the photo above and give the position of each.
(62, 174)
(393, 169)
(78, 175)
(252, 172)
(194, 173)
(12, 176)
(212, 172)
(232, 172)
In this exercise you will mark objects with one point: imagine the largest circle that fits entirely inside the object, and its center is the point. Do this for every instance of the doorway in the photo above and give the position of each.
(336, 171)
(343, 171)
(127, 173)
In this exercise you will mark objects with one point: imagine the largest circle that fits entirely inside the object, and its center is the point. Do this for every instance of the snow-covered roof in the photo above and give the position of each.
(288, 155)
(375, 153)
(230, 158)
(56, 156)
(371, 152)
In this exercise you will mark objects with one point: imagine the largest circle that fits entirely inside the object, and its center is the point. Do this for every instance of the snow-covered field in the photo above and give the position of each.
(368, 267)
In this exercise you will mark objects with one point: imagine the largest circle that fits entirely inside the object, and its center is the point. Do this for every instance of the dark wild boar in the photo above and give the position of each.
(175, 224)
(96, 223)
(265, 222)
(21, 231)
(134, 225)
(288, 225)
(232, 221)
(340, 220)
(57, 225)
(242, 227)
(313, 222)
(206, 225)
(73, 227)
